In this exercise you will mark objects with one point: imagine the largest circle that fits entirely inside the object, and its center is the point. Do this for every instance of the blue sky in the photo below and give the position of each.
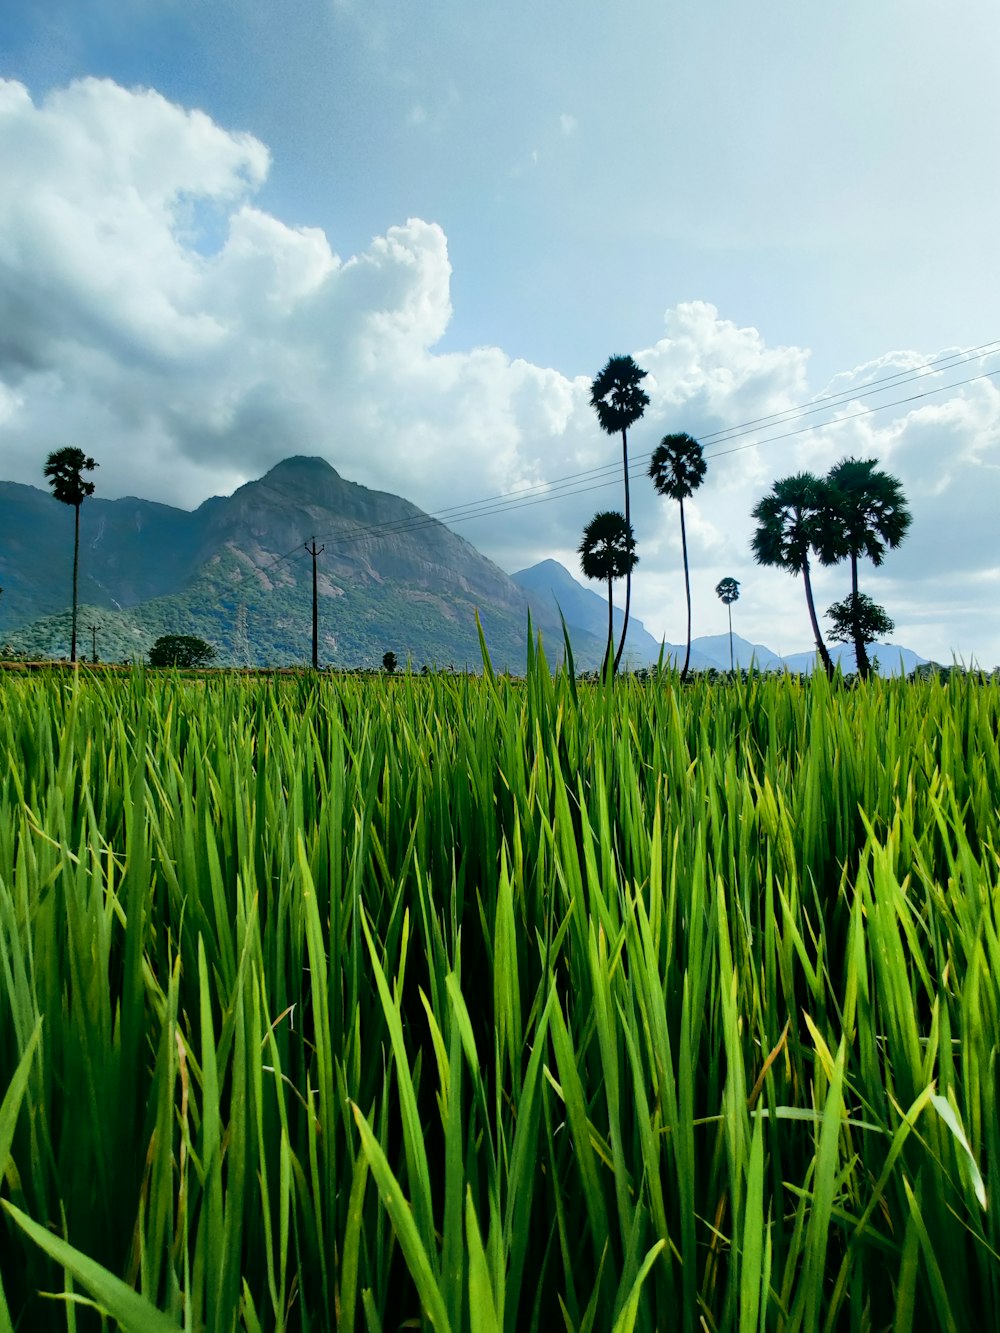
(460, 211)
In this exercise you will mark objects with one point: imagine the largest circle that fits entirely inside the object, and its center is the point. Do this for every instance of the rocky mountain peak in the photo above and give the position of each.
(302, 467)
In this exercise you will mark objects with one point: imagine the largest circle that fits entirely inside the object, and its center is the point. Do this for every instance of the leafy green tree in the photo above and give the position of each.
(858, 618)
(728, 591)
(389, 662)
(607, 552)
(792, 520)
(64, 469)
(678, 469)
(181, 650)
(870, 515)
(618, 398)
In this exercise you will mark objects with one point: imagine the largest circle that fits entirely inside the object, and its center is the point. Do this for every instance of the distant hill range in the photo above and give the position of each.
(549, 583)
(235, 572)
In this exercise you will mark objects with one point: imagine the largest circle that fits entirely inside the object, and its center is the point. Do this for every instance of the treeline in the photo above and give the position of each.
(856, 511)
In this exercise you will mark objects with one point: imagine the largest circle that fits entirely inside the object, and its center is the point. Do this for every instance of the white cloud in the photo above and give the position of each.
(153, 313)
(568, 125)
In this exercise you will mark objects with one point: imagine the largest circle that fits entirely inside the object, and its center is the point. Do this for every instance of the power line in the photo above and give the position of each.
(296, 550)
(864, 411)
(824, 403)
(876, 386)
(599, 478)
(609, 474)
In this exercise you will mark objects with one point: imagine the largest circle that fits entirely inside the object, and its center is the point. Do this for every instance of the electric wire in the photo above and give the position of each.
(824, 403)
(609, 474)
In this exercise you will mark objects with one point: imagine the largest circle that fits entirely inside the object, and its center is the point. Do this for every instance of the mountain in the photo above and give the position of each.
(550, 584)
(586, 611)
(235, 572)
(892, 659)
(715, 647)
(130, 551)
(551, 588)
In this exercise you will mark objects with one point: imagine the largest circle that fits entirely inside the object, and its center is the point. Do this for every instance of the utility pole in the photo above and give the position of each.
(314, 553)
(93, 642)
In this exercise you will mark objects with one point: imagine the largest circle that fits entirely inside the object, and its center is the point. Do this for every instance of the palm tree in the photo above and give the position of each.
(678, 469)
(793, 518)
(619, 400)
(728, 591)
(608, 552)
(870, 514)
(64, 469)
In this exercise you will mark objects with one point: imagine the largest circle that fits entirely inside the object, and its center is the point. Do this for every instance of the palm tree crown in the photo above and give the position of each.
(617, 395)
(677, 466)
(608, 547)
(793, 518)
(64, 469)
(727, 591)
(869, 507)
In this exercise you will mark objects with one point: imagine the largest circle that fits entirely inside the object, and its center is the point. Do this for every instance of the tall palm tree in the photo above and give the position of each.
(678, 469)
(728, 591)
(608, 552)
(791, 520)
(64, 469)
(870, 514)
(618, 398)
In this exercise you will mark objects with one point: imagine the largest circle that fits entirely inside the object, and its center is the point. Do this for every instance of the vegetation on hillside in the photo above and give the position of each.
(352, 632)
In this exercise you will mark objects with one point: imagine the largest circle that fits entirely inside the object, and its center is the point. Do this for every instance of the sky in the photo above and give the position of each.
(406, 238)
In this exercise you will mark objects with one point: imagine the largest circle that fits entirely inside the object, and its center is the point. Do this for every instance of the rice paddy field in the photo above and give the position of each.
(466, 1003)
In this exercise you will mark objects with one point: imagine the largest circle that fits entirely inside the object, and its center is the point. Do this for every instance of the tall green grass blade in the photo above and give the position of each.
(133, 1312)
(483, 1316)
(417, 1258)
(950, 1117)
(625, 1322)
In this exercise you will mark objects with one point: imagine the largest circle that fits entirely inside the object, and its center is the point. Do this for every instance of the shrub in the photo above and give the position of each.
(180, 650)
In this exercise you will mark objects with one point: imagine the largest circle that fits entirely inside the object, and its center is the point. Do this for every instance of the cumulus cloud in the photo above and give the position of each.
(153, 313)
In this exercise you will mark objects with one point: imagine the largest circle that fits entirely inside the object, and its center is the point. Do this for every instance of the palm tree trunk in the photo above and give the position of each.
(729, 608)
(76, 566)
(860, 650)
(628, 575)
(611, 631)
(687, 590)
(820, 645)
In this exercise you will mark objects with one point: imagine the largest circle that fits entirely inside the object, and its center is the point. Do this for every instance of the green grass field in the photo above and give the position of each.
(476, 1004)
